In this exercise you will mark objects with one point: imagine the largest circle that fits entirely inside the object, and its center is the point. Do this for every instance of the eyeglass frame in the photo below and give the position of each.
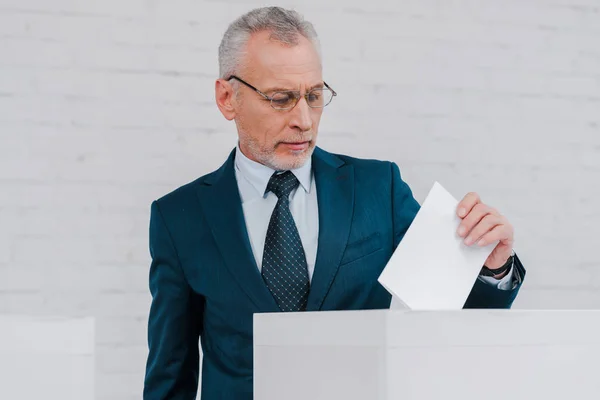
(333, 92)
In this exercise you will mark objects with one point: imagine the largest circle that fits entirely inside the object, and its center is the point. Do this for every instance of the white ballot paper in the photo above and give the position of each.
(432, 268)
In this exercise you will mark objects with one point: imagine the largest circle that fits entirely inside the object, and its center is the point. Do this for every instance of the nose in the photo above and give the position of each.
(301, 116)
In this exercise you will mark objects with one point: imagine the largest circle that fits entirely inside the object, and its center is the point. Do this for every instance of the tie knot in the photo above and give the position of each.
(282, 184)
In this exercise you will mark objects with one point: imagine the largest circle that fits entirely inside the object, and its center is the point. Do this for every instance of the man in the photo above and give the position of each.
(282, 225)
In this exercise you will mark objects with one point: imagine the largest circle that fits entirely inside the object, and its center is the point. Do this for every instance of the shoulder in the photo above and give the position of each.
(371, 175)
(183, 198)
(187, 194)
(381, 168)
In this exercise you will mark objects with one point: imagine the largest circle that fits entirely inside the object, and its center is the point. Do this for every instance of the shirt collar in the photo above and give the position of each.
(258, 175)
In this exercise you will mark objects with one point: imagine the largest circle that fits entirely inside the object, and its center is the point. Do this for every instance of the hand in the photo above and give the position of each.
(482, 224)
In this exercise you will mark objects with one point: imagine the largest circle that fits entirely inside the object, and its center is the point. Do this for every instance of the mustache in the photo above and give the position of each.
(298, 138)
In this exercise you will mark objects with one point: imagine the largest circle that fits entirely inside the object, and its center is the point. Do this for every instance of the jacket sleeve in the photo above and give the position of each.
(404, 205)
(484, 295)
(405, 209)
(174, 323)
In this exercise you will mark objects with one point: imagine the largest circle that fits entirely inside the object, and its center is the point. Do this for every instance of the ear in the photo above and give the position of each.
(225, 98)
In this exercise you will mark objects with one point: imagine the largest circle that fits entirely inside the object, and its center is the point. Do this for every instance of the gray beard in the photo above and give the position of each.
(270, 159)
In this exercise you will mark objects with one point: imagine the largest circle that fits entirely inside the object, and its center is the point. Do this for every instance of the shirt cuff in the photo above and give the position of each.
(506, 283)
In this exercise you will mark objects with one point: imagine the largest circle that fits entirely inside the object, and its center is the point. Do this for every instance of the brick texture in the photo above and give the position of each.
(107, 105)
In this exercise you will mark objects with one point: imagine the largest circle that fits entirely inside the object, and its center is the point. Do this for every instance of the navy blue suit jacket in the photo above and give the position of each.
(205, 283)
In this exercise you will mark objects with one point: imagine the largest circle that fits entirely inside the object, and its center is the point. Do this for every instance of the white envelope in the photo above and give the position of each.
(432, 268)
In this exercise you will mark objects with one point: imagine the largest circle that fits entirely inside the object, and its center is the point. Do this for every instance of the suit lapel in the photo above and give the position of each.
(335, 195)
(222, 206)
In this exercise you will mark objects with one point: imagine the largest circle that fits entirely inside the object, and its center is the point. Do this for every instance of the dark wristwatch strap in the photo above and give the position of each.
(485, 271)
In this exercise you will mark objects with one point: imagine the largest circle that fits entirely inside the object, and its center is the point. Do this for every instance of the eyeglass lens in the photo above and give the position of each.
(315, 98)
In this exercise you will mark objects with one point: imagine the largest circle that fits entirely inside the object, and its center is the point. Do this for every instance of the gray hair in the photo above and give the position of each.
(285, 26)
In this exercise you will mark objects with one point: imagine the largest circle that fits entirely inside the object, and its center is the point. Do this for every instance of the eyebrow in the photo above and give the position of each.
(282, 89)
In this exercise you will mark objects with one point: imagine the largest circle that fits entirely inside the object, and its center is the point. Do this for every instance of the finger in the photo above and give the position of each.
(487, 223)
(498, 233)
(468, 223)
(467, 203)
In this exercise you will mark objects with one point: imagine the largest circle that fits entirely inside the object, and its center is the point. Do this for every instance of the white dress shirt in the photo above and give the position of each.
(253, 178)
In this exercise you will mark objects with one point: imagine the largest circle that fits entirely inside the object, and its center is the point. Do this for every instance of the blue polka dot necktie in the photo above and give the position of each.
(284, 268)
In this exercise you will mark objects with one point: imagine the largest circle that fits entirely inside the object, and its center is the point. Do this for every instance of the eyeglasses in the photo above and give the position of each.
(286, 100)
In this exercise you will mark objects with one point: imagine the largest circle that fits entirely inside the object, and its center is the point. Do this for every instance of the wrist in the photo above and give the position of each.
(501, 275)
(499, 272)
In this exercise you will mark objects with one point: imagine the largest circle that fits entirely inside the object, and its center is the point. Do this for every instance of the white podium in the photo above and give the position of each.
(427, 355)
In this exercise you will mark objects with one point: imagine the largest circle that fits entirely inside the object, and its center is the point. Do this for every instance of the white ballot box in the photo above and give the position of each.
(427, 355)
(46, 358)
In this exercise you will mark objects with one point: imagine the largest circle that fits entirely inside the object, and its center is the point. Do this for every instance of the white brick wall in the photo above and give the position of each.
(107, 105)
(58, 352)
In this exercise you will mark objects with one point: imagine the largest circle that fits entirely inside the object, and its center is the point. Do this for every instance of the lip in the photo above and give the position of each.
(296, 145)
